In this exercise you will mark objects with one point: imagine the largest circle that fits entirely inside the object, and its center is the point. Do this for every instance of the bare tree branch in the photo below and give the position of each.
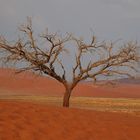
(106, 59)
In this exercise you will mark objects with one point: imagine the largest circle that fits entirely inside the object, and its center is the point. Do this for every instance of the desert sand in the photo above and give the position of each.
(28, 121)
(33, 121)
(29, 84)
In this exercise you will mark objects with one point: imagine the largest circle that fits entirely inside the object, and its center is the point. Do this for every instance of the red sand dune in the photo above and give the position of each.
(27, 84)
(28, 121)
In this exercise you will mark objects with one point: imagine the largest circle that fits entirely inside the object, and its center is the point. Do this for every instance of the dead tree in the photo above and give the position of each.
(104, 59)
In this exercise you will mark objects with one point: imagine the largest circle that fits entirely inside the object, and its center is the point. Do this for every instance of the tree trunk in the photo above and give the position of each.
(66, 98)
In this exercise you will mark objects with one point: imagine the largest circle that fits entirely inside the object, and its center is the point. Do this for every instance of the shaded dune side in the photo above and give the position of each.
(30, 84)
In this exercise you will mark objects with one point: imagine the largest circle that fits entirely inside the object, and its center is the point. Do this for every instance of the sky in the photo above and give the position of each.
(106, 19)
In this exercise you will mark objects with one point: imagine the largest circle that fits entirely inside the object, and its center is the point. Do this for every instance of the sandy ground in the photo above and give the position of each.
(28, 121)
(26, 83)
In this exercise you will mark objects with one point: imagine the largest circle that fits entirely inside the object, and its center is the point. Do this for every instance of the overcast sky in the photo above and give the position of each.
(109, 19)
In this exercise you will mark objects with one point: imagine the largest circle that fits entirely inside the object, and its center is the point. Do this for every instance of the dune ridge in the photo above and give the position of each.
(29, 83)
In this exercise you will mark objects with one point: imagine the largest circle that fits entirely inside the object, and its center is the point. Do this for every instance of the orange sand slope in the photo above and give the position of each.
(27, 121)
(29, 84)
